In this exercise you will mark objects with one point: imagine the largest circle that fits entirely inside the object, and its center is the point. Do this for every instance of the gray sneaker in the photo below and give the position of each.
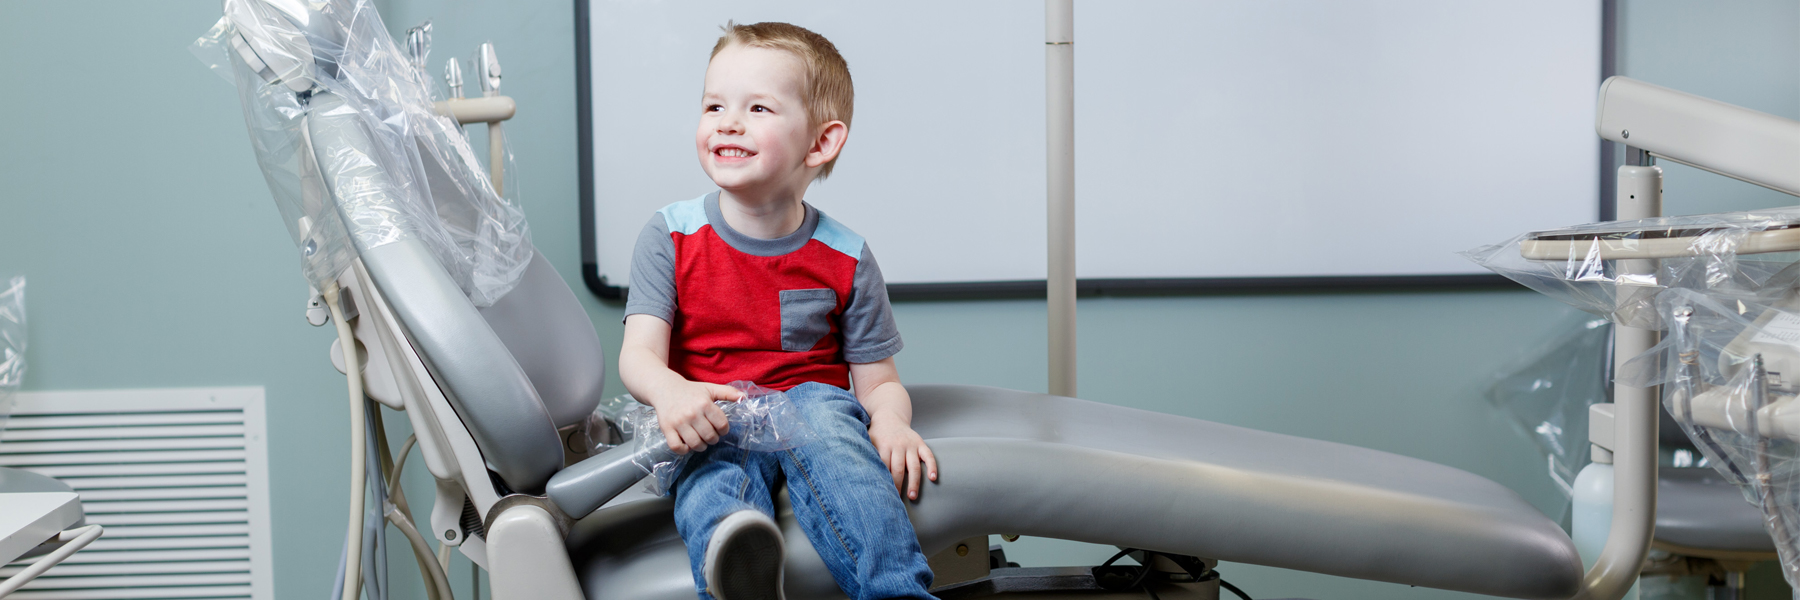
(744, 558)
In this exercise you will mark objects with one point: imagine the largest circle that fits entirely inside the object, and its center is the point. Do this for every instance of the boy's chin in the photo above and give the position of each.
(742, 186)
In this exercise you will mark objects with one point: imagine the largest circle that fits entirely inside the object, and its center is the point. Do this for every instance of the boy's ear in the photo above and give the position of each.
(827, 144)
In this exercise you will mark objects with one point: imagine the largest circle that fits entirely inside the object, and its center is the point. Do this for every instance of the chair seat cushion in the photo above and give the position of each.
(1697, 508)
(1039, 465)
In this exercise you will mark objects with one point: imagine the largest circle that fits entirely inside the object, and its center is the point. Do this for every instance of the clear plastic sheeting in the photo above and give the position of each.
(602, 429)
(12, 343)
(1724, 290)
(1722, 379)
(1718, 252)
(343, 127)
(764, 420)
(1546, 395)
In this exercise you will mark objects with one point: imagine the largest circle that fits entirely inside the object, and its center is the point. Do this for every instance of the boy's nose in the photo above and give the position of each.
(731, 123)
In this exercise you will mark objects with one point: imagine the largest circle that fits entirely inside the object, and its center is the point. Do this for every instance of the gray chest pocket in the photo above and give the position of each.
(805, 317)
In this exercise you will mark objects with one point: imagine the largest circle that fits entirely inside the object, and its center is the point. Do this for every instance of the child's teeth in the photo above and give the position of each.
(734, 152)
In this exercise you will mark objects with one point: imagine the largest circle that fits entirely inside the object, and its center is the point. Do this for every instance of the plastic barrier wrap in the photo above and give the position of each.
(1546, 396)
(1725, 291)
(12, 343)
(343, 127)
(1714, 252)
(764, 420)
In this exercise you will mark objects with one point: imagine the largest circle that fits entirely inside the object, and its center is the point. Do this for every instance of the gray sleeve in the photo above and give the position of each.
(653, 272)
(868, 325)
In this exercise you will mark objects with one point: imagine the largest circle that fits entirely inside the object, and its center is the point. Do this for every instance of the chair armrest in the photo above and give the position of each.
(585, 486)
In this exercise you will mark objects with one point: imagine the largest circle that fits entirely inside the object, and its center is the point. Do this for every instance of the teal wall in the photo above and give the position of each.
(130, 197)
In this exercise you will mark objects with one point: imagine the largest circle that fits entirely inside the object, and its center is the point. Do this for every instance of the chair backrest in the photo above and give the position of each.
(550, 335)
(470, 351)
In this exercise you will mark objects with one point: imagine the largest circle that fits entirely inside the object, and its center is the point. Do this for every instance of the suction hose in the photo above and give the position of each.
(358, 444)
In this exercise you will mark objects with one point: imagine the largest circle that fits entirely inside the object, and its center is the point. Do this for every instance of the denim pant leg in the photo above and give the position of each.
(844, 499)
(720, 481)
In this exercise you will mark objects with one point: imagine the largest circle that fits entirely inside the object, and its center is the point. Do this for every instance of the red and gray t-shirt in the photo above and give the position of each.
(777, 312)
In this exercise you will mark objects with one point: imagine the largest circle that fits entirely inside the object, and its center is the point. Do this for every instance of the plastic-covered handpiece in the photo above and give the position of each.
(587, 485)
(764, 420)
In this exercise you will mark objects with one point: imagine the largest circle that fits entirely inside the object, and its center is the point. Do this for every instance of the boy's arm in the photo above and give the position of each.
(890, 425)
(684, 409)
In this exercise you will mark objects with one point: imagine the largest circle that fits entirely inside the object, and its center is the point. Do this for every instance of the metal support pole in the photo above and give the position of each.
(1059, 113)
(1634, 429)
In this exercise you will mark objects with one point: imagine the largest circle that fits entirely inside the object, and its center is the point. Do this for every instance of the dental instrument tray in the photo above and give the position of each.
(1761, 233)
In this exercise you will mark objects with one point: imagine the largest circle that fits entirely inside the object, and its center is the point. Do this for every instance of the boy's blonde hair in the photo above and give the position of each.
(825, 86)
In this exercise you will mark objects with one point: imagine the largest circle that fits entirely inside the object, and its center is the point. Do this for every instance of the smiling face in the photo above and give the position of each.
(755, 138)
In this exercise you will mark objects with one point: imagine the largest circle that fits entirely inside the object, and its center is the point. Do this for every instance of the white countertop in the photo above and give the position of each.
(31, 518)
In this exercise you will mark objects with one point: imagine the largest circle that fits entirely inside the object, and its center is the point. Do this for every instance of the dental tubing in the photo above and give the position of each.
(396, 512)
(358, 443)
(394, 509)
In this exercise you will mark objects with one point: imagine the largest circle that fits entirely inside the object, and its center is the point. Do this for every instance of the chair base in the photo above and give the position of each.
(527, 558)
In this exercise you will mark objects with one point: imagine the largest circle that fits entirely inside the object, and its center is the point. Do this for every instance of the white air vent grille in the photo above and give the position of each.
(179, 478)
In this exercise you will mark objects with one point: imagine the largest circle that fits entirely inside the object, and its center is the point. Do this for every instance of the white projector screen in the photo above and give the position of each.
(1221, 139)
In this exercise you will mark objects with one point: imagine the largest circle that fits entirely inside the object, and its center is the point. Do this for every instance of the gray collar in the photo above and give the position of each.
(757, 246)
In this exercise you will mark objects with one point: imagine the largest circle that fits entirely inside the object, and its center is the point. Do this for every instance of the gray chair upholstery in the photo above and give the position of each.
(472, 365)
(548, 332)
(1698, 508)
(1018, 462)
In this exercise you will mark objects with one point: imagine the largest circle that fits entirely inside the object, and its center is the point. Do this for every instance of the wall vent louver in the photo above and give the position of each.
(179, 478)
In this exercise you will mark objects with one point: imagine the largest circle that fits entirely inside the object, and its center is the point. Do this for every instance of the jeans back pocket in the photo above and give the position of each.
(806, 317)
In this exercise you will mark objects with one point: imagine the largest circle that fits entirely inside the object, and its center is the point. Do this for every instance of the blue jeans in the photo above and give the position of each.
(842, 494)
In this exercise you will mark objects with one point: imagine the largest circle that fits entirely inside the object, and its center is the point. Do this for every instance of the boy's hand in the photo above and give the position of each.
(905, 453)
(688, 418)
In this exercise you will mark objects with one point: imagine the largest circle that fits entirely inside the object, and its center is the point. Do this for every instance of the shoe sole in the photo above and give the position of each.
(749, 564)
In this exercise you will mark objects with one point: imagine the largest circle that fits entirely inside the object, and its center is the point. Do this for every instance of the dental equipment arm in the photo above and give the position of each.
(491, 108)
(487, 71)
(1714, 136)
(1733, 141)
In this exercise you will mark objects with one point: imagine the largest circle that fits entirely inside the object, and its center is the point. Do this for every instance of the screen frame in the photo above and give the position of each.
(596, 282)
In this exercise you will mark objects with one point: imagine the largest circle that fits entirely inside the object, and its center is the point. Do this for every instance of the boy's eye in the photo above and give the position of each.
(714, 108)
(759, 108)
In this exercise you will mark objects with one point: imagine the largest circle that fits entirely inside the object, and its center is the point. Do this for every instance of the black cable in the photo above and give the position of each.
(1143, 573)
(1196, 569)
(1234, 589)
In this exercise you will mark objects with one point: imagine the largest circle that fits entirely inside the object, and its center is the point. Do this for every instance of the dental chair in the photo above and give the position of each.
(488, 389)
(493, 392)
(491, 387)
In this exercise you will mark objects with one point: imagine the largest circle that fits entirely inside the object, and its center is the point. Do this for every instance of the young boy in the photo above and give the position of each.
(751, 283)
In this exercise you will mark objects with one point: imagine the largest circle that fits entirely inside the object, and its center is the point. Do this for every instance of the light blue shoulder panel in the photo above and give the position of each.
(838, 237)
(685, 217)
